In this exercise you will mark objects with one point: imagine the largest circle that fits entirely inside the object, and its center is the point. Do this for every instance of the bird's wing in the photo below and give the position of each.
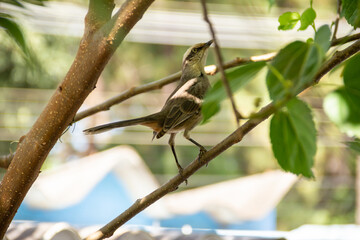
(183, 104)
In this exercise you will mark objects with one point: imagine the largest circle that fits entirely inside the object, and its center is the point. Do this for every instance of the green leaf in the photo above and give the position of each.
(293, 138)
(209, 109)
(237, 79)
(342, 106)
(36, 2)
(286, 63)
(351, 11)
(20, 4)
(354, 145)
(288, 20)
(13, 2)
(322, 38)
(297, 63)
(13, 29)
(312, 62)
(352, 73)
(307, 18)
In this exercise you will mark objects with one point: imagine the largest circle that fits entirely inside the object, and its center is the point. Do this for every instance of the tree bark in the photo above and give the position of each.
(102, 36)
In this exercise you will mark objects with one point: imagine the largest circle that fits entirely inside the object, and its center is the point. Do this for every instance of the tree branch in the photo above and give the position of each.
(210, 70)
(338, 57)
(109, 229)
(345, 39)
(93, 54)
(98, 14)
(219, 61)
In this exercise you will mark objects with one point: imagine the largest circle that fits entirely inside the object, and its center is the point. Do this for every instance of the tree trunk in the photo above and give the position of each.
(102, 36)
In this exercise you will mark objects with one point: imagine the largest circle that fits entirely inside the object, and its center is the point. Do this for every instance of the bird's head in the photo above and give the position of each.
(195, 57)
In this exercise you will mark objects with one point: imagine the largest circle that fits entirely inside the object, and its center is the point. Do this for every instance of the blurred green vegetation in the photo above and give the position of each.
(330, 199)
(53, 56)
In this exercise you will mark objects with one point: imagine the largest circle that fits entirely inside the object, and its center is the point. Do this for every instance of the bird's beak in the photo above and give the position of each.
(207, 44)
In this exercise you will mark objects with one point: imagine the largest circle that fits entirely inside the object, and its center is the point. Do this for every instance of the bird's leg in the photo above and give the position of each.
(172, 145)
(202, 149)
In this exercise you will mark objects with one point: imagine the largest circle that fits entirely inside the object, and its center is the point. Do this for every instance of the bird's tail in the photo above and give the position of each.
(106, 127)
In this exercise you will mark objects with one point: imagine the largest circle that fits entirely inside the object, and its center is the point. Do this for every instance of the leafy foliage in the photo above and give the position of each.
(237, 79)
(288, 20)
(12, 28)
(343, 105)
(351, 12)
(295, 65)
(307, 18)
(292, 130)
(13, 2)
(14, 31)
(293, 138)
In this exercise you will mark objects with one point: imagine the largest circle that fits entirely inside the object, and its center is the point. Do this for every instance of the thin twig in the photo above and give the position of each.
(140, 204)
(219, 61)
(336, 24)
(345, 39)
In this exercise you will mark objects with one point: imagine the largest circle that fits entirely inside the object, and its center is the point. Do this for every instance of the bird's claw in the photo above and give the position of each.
(202, 152)
(181, 170)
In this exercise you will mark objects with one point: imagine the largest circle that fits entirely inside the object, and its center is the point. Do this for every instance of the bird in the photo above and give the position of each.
(182, 109)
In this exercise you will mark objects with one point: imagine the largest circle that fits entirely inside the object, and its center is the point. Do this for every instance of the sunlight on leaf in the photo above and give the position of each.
(342, 106)
(288, 20)
(307, 18)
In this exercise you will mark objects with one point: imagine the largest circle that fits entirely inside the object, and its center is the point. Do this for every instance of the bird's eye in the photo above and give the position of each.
(194, 50)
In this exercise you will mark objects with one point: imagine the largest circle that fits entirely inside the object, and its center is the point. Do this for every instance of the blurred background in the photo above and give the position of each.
(154, 50)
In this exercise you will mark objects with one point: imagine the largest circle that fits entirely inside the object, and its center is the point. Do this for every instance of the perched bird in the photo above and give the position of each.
(182, 109)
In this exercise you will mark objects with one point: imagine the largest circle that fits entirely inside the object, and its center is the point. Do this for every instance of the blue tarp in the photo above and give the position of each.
(109, 198)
